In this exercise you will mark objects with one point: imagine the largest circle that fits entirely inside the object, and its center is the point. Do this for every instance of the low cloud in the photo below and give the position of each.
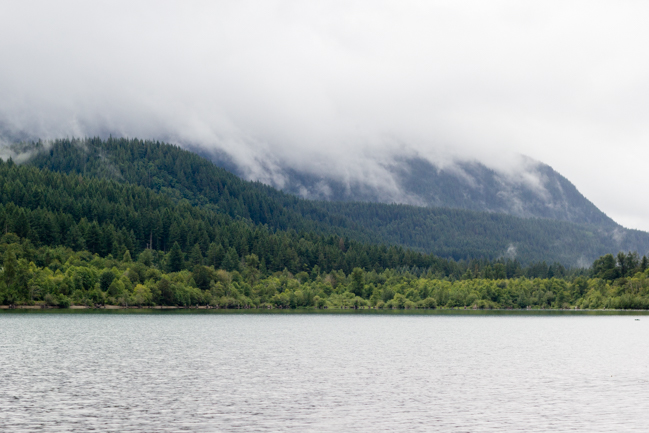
(344, 89)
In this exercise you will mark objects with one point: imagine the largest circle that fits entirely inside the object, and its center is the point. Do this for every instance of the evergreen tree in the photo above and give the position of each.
(175, 259)
(75, 239)
(9, 264)
(231, 261)
(196, 256)
(262, 267)
(215, 255)
(21, 225)
(146, 257)
(93, 238)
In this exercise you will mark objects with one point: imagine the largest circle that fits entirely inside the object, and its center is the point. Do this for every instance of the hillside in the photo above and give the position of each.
(46, 209)
(534, 190)
(452, 233)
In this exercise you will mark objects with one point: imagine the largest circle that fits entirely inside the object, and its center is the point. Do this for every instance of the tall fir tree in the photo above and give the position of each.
(175, 259)
(196, 256)
(231, 261)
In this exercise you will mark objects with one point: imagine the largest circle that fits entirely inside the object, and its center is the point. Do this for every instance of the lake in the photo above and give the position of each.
(81, 371)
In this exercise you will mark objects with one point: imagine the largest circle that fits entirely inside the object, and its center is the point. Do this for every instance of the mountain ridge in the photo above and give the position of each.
(537, 190)
(451, 233)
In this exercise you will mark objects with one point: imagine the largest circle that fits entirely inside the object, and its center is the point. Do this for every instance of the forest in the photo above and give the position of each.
(450, 233)
(60, 277)
(132, 223)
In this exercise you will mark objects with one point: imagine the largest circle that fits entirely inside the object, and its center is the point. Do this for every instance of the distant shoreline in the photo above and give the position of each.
(419, 311)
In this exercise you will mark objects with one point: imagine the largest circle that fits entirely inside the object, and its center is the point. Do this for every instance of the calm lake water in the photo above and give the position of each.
(323, 372)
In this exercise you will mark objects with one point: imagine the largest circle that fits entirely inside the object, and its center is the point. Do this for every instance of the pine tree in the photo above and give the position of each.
(75, 240)
(9, 265)
(262, 267)
(146, 258)
(196, 256)
(93, 238)
(215, 255)
(175, 259)
(231, 261)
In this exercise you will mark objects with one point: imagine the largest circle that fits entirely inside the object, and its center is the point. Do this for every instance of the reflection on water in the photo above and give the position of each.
(323, 372)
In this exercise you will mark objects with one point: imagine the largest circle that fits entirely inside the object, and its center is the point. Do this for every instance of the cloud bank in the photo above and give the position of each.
(343, 88)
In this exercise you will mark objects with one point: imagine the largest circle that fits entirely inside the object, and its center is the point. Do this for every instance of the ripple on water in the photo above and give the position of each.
(323, 373)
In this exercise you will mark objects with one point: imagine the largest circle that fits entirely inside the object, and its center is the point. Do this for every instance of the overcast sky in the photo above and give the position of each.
(341, 85)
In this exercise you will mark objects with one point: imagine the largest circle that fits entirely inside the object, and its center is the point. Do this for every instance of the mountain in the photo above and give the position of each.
(130, 222)
(49, 214)
(534, 190)
(458, 234)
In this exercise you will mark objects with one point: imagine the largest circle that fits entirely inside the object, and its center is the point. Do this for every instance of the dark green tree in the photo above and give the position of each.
(105, 279)
(202, 277)
(604, 267)
(166, 291)
(93, 238)
(215, 255)
(10, 265)
(75, 239)
(175, 258)
(231, 262)
(357, 282)
(195, 255)
(146, 257)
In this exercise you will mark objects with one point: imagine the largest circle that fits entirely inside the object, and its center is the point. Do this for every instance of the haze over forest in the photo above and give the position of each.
(291, 179)
(345, 89)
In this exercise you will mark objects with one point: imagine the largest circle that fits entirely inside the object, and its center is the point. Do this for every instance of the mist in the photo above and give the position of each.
(344, 89)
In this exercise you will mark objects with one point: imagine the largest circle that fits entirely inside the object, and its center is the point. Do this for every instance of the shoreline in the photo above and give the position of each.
(203, 308)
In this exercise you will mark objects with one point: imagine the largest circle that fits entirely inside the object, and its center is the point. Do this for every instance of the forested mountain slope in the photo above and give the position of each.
(532, 190)
(90, 241)
(105, 217)
(452, 233)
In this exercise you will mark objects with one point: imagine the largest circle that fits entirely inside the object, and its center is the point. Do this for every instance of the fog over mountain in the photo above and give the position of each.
(536, 190)
(354, 92)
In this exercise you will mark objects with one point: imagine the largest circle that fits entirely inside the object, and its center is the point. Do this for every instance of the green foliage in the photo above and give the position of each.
(59, 276)
(186, 178)
(175, 259)
(146, 258)
(357, 282)
(106, 278)
(202, 277)
(111, 218)
(63, 301)
(231, 260)
(9, 266)
(623, 265)
(73, 218)
(196, 256)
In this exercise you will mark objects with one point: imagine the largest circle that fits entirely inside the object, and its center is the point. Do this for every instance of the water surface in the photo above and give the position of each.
(324, 373)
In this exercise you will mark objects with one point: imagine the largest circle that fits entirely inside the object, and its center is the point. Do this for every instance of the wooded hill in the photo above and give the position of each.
(462, 185)
(125, 222)
(195, 184)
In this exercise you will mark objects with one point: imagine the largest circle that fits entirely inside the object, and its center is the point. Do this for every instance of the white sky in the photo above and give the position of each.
(340, 85)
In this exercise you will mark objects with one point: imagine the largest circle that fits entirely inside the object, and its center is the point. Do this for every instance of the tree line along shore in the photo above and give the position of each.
(118, 222)
(61, 277)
